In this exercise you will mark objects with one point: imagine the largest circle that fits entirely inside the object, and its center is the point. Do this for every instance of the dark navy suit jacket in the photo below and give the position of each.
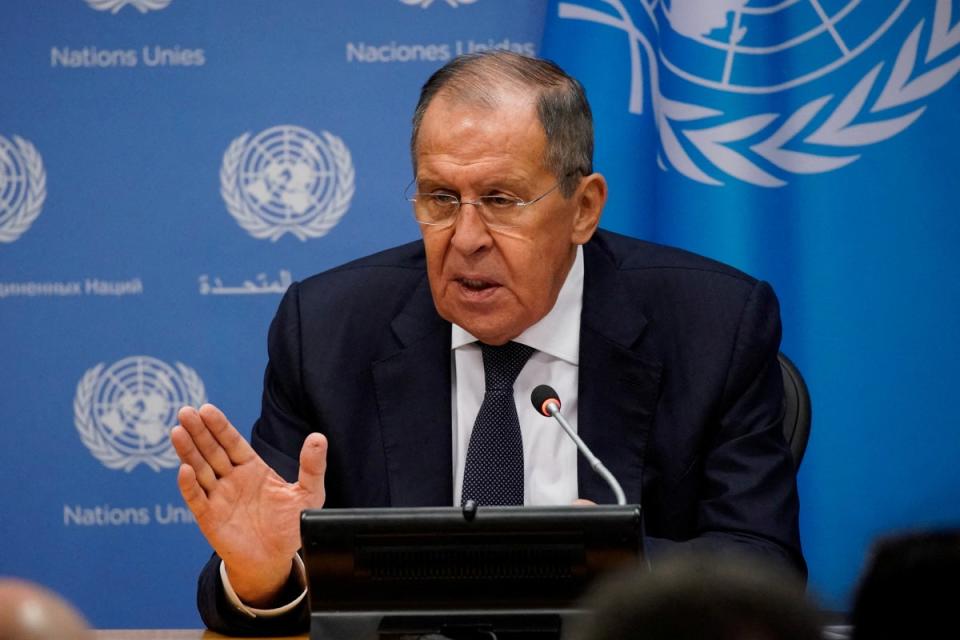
(680, 395)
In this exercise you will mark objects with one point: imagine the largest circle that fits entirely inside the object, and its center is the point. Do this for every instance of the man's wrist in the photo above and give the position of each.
(298, 574)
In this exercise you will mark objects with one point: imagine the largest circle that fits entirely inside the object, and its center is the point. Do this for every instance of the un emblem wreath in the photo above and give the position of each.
(23, 187)
(423, 4)
(287, 180)
(114, 6)
(124, 412)
(781, 135)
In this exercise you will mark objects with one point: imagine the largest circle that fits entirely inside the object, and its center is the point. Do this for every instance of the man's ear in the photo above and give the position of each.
(591, 195)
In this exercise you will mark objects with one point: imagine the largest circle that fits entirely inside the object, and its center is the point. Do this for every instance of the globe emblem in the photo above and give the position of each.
(13, 182)
(762, 46)
(287, 179)
(756, 48)
(287, 174)
(23, 187)
(124, 412)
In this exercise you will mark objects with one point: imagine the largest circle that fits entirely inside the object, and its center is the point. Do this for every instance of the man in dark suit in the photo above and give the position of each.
(667, 361)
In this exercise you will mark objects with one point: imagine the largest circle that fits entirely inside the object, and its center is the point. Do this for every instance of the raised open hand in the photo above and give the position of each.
(248, 513)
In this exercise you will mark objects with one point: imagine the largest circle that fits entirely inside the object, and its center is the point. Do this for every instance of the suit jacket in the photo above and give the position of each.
(680, 395)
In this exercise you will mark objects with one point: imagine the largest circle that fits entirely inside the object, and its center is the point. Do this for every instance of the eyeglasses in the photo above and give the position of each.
(440, 209)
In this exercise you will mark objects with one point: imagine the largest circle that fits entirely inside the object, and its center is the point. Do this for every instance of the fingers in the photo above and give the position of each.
(183, 444)
(233, 444)
(207, 442)
(583, 502)
(215, 439)
(193, 494)
(313, 466)
(207, 446)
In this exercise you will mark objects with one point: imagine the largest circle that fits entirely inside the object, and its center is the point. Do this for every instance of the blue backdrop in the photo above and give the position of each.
(168, 167)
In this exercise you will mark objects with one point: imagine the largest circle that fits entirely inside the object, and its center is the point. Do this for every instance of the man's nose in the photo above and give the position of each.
(470, 232)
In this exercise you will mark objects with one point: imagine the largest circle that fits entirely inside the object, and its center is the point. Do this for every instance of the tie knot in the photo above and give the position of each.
(502, 365)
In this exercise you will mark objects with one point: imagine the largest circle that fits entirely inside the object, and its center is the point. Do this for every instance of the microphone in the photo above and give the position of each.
(547, 401)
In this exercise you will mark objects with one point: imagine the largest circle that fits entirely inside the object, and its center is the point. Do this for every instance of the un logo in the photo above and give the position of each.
(23, 187)
(287, 180)
(426, 3)
(124, 412)
(113, 6)
(713, 66)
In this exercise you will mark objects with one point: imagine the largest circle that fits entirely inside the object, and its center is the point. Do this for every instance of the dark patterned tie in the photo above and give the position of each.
(493, 473)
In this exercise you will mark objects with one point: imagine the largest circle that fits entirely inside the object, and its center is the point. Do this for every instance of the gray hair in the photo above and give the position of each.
(562, 105)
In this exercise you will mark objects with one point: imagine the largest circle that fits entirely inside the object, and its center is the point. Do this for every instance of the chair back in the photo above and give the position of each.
(796, 409)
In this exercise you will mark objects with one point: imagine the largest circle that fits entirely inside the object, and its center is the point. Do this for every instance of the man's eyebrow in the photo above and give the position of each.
(496, 182)
(431, 182)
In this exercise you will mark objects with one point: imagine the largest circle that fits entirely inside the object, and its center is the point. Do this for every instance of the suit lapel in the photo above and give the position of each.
(619, 379)
(413, 398)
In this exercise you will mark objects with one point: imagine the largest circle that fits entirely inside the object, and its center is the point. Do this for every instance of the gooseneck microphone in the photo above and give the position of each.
(547, 401)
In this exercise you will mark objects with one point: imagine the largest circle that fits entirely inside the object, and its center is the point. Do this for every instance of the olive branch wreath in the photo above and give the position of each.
(35, 196)
(113, 6)
(426, 3)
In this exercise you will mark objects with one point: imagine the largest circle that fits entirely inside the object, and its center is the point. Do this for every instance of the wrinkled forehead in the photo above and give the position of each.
(506, 120)
(507, 103)
(464, 139)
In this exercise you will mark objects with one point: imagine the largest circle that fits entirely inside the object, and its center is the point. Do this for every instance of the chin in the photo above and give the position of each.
(484, 327)
(491, 335)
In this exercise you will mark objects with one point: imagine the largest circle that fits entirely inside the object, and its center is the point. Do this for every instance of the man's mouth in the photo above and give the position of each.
(476, 284)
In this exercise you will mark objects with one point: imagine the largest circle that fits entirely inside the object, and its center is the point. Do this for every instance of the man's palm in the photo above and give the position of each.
(248, 513)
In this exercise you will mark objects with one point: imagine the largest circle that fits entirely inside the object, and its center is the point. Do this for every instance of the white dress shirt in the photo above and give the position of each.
(549, 455)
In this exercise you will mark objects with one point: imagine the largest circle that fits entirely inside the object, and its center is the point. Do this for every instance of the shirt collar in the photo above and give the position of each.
(557, 333)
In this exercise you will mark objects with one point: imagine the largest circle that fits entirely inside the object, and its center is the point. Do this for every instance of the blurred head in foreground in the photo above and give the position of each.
(909, 587)
(701, 597)
(30, 612)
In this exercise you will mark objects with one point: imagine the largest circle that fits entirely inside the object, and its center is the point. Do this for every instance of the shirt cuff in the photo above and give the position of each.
(265, 613)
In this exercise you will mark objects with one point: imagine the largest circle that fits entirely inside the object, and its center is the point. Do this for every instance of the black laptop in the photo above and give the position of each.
(504, 572)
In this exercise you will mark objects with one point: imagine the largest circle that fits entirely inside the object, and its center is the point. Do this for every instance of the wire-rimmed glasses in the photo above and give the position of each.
(440, 209)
